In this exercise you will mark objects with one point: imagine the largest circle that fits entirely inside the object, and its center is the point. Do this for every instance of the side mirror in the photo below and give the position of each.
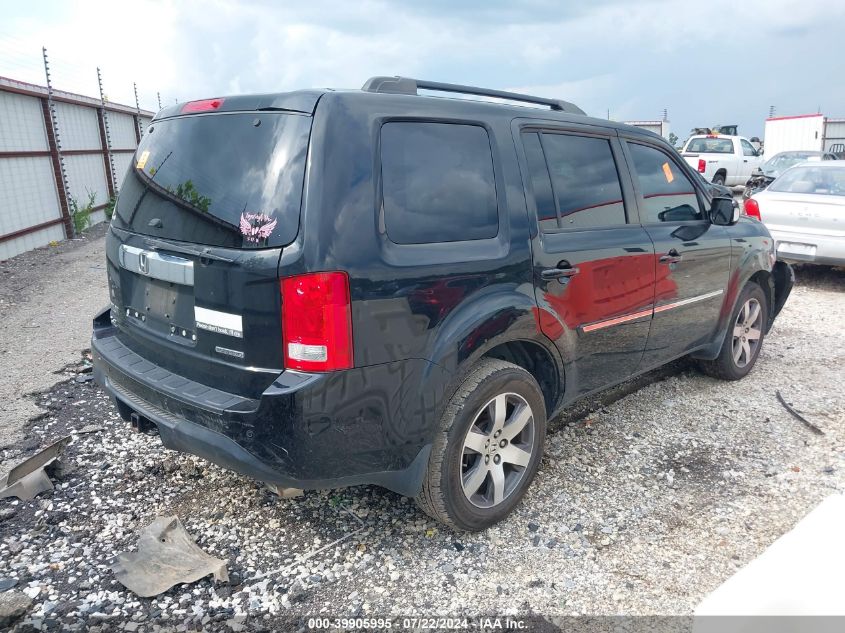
(724, 212)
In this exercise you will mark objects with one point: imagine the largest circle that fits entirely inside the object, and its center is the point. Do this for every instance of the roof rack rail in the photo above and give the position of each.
(408, 86)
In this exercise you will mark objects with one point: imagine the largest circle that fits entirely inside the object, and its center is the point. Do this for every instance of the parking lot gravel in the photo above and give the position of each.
(47, 299)
(644, 503)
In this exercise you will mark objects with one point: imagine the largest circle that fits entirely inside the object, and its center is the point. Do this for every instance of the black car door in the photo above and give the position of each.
(593, 262)
(693, 256)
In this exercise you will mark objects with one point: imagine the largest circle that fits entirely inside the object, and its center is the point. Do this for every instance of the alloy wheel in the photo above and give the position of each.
(497, 450)
(747, 332)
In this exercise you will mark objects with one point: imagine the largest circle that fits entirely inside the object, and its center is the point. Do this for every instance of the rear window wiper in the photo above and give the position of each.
(159, 244)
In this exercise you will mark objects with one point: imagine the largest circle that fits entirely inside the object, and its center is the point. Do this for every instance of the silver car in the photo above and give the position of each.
(804, 210)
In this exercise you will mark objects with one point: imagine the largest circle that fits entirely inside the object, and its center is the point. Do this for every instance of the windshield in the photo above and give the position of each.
(230, 180)
(828, 181)
(711, 146)
(783, 161)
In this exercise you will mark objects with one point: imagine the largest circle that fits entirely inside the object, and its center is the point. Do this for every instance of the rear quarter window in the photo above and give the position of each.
(438, 182)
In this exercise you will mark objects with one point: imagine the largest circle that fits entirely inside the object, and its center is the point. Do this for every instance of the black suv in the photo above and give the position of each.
(320, 289)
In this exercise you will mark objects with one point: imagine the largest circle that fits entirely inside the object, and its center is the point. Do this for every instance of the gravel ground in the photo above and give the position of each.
(47, 299)
(641, 506)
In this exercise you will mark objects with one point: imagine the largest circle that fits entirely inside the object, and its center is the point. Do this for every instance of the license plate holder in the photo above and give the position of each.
(163, 307)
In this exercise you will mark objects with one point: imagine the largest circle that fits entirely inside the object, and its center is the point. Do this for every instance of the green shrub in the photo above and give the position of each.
(109, 209)
(81, 215)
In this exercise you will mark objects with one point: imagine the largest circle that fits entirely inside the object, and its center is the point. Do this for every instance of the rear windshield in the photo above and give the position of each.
(232, 180)
(711, 146)
(826, 181)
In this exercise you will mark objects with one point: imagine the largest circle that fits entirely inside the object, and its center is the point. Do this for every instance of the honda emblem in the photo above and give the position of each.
(143, 263)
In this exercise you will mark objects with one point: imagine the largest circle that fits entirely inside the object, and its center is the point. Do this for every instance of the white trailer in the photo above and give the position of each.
(661, 128)
(812, 132)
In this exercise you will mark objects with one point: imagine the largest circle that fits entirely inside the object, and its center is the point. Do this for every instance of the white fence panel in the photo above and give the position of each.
(28, 197)
(122, 130)
(78, 127)
(27, 193)
(21, 124)
(24, 243)
(87, 173)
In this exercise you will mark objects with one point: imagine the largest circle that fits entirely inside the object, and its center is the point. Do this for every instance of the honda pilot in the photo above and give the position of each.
(330, 288)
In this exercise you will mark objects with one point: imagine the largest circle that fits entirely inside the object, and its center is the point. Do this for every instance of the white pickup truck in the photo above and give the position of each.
(721, 159)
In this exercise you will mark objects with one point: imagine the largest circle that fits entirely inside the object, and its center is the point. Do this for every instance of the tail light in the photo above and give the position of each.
(752, 209)
(317, 322)
(203, 105)
(702, 165)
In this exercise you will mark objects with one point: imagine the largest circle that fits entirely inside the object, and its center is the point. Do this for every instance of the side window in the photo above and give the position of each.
(437, 183)
(668, 195)
(747, 148)
(584, 180)
(540, 182)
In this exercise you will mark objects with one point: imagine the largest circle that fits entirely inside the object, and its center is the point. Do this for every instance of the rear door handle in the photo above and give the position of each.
(563, 271)
(672, 257)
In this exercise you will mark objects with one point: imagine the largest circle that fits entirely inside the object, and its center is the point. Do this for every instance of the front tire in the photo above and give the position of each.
(744, 337)
(487, 449)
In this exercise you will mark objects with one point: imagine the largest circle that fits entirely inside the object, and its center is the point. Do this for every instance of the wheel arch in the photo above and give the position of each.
(751, 269)
(499, 323)
(537, 361)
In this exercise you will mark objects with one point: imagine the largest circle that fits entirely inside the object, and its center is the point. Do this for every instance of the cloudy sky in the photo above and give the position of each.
(719, 61)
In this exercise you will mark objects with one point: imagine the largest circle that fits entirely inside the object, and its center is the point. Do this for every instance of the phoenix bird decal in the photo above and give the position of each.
(257, 227)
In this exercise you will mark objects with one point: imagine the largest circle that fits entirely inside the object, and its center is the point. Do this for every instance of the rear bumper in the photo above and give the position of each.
(814, 249)
(309, 431)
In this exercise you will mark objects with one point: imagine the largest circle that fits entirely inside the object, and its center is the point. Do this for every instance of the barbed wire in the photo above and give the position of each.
(21, 61)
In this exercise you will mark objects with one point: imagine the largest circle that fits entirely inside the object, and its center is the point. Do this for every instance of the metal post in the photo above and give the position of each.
(158, 96)
(51, 124)
(104, 129)
(137, 117)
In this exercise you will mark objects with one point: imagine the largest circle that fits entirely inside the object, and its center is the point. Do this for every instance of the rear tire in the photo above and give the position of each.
(487, 449)
(719, 179)
(744, 338)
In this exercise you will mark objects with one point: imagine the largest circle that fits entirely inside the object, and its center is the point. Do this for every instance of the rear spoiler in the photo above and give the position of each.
(299, 101)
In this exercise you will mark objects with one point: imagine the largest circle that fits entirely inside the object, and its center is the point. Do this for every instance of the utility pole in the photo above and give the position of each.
(158, 96)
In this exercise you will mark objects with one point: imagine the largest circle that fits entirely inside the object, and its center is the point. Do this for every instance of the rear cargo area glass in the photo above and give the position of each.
(230, 180)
